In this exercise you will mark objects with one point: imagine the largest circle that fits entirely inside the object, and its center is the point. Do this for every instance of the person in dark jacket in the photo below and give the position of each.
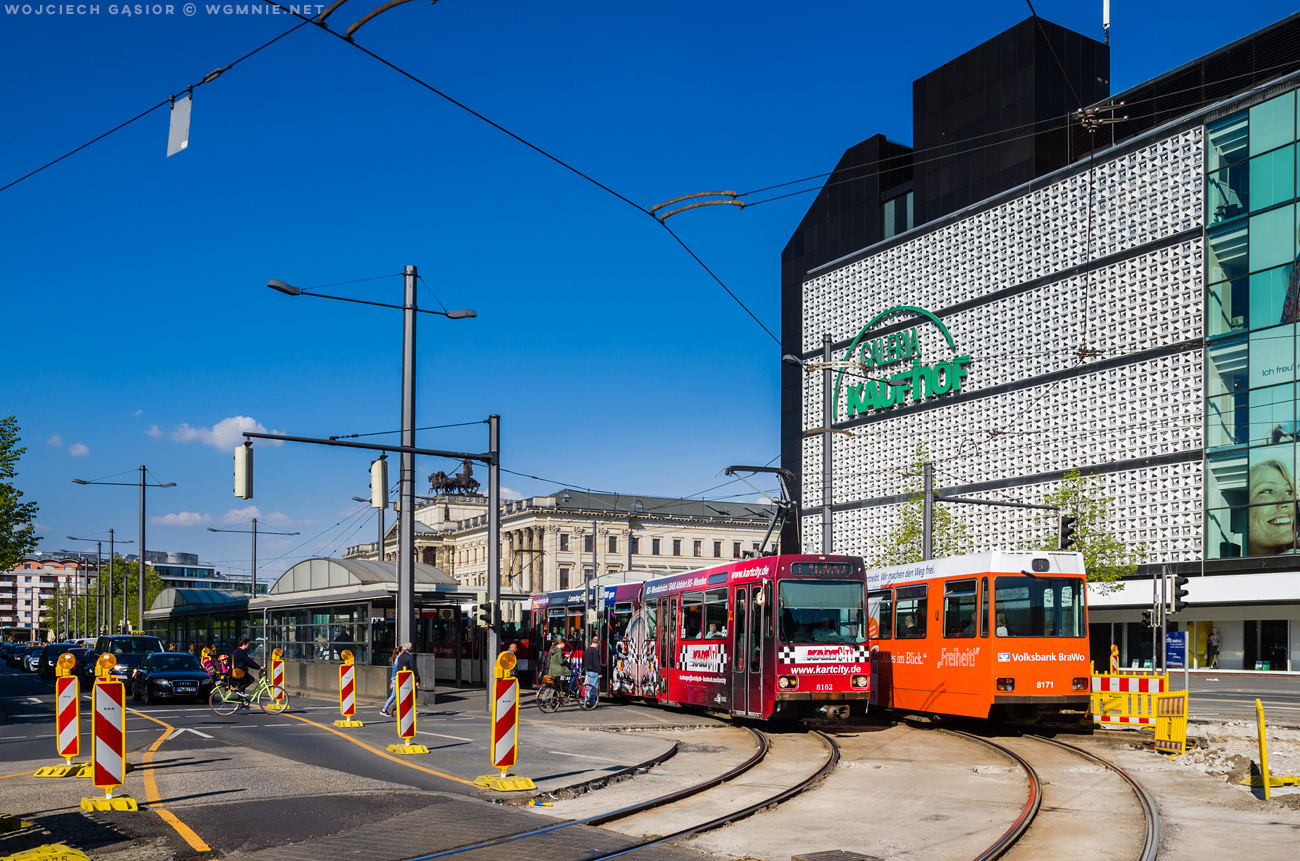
(241, 660)
(592, 666)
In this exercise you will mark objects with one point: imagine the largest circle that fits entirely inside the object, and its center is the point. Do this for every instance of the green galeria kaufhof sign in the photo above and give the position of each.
(913, 379)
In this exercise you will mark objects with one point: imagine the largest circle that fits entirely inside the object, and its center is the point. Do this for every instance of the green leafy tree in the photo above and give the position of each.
(1106, 558)
(124, 586)
(17, 527)
(902, 546)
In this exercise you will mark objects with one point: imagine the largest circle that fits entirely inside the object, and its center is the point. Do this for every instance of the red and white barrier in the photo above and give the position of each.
(67, 717)
(347, 691)
(505, 723)
(406, 704)
(277, 677)
(109, 699)
(1131, 699)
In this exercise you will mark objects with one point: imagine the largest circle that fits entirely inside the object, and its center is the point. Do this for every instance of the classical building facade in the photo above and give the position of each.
(554, 542)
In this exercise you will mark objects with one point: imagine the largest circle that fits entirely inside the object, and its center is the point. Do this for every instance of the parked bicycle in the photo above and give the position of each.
(225, 700)
(554, 694)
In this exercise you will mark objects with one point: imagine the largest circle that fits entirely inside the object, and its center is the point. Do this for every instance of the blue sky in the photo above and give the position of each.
(141, 330)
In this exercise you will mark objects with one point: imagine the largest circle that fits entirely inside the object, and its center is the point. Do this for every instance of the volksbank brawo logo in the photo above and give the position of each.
(917, 381)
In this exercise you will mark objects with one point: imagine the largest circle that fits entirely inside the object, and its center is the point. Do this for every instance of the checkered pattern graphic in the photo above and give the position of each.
(683, 656)
(786, 654)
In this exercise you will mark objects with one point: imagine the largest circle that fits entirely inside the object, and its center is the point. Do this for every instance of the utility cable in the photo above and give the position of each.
(430, 427)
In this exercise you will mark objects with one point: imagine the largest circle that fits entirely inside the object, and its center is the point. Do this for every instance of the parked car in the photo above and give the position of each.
(170, 675)
(51, 653)
(128, 650)
(16, 655)
(31, 658)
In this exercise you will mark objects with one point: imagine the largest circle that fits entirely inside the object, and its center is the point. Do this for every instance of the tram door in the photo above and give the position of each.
(668, 639)
(760, 632)
(740, 651)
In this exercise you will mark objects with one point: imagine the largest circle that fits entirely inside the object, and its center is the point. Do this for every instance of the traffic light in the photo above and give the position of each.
(1146, 618)
(1177, 594)
(379, 483)
(1067, 533)
(484, 617)
(244, 471)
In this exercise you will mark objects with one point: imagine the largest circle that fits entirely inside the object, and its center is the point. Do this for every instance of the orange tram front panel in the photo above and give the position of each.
(1000, 635)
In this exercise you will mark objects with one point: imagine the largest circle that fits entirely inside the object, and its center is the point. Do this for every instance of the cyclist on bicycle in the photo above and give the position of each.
(244, 665)
(557, 663)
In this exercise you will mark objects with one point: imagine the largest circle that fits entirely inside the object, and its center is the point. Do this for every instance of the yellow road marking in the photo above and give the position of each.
(384, 754)
(19, 774)
(152, 796)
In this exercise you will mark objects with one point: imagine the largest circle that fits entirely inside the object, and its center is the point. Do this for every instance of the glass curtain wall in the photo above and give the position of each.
(321, 633)
(1252, 308)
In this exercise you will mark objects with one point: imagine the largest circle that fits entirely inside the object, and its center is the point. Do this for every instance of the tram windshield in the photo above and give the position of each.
(815, 611)
(1038, 607)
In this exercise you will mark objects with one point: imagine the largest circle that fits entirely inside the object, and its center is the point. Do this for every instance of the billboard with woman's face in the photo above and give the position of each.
(1252, 502)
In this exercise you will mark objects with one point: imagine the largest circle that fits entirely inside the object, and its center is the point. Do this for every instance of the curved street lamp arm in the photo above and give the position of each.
(671, 213)
(375, 13)
(730, 194)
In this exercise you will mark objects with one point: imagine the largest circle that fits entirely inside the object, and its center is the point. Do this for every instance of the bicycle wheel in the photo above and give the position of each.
(588, 698)
(273, 700)
(548, 700)
(223, 701)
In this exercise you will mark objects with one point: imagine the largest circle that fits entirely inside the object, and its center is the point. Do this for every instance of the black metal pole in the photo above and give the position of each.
(139, 580)
(406, 517)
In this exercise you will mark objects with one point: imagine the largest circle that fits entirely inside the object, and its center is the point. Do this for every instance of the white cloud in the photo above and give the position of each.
(56, 440)
(241, 515)
(224, 435)
(77, 450)
(40, 528)
(275, 518)
(181, 518)
(507, 493)
(138, 412)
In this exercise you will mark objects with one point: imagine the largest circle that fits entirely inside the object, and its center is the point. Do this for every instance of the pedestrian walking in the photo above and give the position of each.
(405, 661)
(592, 666)
(1212, 649)
(387, 710)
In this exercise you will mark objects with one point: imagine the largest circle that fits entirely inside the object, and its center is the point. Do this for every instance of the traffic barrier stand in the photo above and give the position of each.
(12, 823)
(51, 852)
(1264, 779)
(405, 705)
(347, 692)
(67, 720)
(505, 730)
(108, 749)
(1171, 722)
(277, 675)
(1126, 699)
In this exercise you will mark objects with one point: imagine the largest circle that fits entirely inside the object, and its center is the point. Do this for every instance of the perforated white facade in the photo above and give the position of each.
(1127, 296)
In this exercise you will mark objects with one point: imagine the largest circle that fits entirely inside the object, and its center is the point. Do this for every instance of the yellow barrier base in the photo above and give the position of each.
(346, 722)
(61, 770)
(88, 770)
(504, 783)
(406, 748)
(12, 823)
(121, 802)
(51, 852)
(1273, 780)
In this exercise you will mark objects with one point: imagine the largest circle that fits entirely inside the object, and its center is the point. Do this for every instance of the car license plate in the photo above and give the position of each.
(186, 689)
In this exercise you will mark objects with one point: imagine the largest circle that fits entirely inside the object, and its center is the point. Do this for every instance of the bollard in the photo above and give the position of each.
(347, 692)
(405, 706)
(277, 675)
(67, 720)
(108, 748)
(505, 730)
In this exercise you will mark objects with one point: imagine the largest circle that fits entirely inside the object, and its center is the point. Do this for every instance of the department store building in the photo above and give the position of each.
(1033, 294)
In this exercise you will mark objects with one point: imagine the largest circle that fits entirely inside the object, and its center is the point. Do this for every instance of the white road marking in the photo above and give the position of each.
(34, 699)
(584, 756)
(187, 729)
(440, 735)
(12, 737)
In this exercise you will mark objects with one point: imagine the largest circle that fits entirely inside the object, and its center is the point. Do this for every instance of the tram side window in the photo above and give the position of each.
(692, 615)
(959, 601)
(762, 617)
(715, 614)
(1039, 607)
(880, 613)
(984, 608)
(909, 612)
(741, 655)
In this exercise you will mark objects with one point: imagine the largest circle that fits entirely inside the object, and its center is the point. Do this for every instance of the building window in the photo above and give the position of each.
(589, 543)
(634, 543)
(735, 550)
(654, 546)
(586, 574)
(717, 550)
(699, 547)
(564, 578)
(896, 215)
(677, 547)
(564, 542)
(613, 544)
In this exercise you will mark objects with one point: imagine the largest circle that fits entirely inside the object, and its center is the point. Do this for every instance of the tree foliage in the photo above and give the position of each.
(903, 544)
(124, 586)
(17, 528)
(1106, 558)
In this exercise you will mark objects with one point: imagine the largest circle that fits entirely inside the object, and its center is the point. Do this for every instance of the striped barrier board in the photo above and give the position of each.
(347, 691)
(1126, 699)
(277, 677)
(505, 723)
(109, 701)
(406, 704)
(67, 711)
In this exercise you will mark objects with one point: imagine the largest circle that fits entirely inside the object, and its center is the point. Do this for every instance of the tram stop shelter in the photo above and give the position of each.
(183, 618)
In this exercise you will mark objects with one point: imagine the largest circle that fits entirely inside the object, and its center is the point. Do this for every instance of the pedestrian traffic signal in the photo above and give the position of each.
(379, 483)
(1146, 618)
(484, 619)
(244, 471)
(1067, 532)
(1177, 594)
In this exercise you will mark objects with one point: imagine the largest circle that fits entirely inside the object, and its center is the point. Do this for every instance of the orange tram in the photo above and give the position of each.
(998, 635)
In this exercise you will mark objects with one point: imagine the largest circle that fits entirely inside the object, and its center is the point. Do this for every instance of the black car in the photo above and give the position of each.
(15, 655)
(128, 650)
(28, 658)
(50, 655)
(170, 675)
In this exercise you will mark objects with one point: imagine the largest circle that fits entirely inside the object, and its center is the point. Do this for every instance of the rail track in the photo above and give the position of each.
(761, 755)
(1016, 836)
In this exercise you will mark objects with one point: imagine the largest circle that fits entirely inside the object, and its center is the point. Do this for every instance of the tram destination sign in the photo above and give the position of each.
(912, 378)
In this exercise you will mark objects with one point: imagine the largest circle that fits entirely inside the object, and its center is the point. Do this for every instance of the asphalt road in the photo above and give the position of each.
(1232, 697)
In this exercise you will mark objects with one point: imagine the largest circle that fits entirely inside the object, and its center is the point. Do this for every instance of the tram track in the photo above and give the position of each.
(760, 756)
(1057, 815)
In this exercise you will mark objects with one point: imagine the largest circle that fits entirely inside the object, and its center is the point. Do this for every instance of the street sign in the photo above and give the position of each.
(1175, 650)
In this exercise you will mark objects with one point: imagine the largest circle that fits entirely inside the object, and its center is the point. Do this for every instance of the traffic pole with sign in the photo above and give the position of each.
(108, 749)
(67, 719)
(347, 691)
(405, 708)
(504, 750)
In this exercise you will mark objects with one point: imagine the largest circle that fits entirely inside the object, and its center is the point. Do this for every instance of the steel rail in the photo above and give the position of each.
(1151, 846)
(764, 745)
(1027, 814)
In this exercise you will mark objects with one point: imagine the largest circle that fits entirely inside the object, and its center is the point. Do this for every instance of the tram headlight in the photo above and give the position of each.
(1080, 684)
(1006, 684)
(859, 681)
(787, 683)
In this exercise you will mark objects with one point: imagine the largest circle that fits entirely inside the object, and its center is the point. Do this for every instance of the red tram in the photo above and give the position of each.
(770, 637)
(999, 635)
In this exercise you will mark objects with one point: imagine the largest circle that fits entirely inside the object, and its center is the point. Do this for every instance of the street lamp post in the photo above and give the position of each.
(406, 516)
(253, 532)
(142, 483)
(379, 544)
(85, 599)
